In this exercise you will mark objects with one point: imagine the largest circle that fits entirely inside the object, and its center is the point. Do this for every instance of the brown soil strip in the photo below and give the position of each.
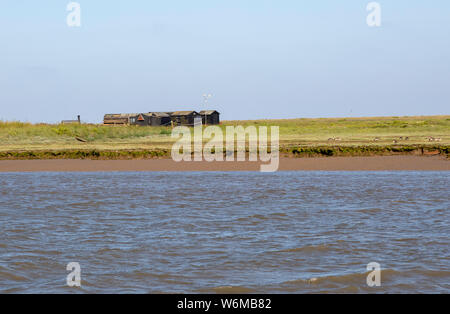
(376, 163)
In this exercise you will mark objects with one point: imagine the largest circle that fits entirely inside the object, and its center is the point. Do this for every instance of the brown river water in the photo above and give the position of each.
(243, 232)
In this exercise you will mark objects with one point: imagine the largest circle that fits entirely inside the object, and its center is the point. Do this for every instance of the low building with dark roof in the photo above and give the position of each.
(185, 118)
(159, 118)
(210, 117)
(174, 118)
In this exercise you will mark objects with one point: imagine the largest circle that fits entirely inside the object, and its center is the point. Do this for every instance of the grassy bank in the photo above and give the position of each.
(298, 137)
(325, 151)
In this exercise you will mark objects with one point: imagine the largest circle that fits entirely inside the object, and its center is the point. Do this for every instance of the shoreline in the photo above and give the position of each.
(360, 163)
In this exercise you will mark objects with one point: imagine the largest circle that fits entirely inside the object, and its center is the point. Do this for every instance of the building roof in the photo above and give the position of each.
(183, 113)
(207, 112)
(159, 114)
(121, 115)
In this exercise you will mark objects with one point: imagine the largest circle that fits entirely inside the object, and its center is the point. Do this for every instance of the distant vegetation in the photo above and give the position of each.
(328, 137)
(93, 132)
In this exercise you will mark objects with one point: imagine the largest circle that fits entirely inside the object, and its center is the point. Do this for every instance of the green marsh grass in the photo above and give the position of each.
(300, 137)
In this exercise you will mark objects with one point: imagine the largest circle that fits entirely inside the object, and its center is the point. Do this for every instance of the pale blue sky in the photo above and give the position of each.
(260, 58)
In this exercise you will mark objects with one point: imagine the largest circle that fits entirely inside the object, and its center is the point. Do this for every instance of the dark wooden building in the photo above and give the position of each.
(184, 117)
(210, 117)
(141, 119)
(159, 118)
(176, 118)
